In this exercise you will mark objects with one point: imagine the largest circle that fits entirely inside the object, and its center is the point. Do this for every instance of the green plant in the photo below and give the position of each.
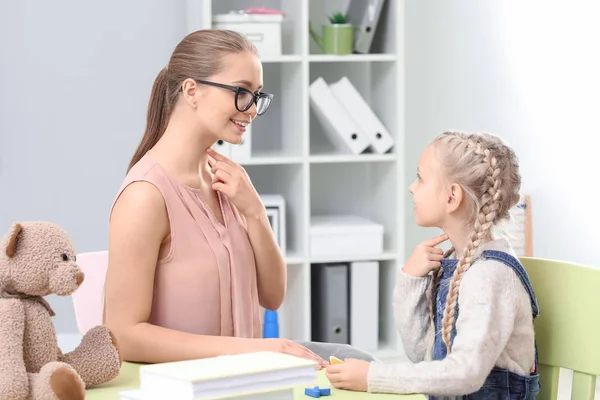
(338, 18)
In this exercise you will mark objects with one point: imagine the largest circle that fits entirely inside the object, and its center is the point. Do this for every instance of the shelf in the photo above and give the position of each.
(280, 130)
(332, 58)
(285, 58)
(368, 190)
(350, 158)
(375, 83)
(292, 154)
(271, 160)
(286, 180)
(388, 255)
(293, 258)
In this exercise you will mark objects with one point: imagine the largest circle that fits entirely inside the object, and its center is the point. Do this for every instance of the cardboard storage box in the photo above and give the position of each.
(263, 30)
(345, 235)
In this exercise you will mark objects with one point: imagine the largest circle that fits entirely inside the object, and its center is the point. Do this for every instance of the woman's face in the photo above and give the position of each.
(217, 105)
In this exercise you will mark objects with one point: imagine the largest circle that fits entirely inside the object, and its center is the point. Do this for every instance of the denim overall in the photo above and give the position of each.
(500, 384)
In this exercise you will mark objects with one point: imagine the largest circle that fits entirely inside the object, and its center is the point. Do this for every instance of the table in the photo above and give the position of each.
(129, 379)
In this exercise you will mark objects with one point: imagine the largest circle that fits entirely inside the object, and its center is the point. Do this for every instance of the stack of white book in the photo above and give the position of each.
(250, 376)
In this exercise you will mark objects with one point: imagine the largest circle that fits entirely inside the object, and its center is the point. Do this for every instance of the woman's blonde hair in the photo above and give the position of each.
(487, 170)
(199, 55)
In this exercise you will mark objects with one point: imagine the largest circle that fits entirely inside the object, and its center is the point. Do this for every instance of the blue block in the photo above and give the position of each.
(312, 392)
(324, 391)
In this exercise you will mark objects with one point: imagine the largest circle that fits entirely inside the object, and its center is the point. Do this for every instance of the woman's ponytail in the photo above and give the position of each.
(157, 118)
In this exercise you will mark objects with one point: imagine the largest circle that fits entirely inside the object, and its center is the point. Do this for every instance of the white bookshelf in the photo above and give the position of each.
(291, 155)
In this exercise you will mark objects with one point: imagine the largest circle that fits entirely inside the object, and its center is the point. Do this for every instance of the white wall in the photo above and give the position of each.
(75, 79)
(529, 73)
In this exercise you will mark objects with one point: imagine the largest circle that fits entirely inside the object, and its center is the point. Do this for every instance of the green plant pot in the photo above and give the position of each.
(337, 39)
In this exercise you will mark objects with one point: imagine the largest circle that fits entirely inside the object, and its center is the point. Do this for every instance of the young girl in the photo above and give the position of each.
(465, 317)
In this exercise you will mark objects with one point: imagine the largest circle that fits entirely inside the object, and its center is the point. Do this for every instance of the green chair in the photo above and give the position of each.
(568, 327)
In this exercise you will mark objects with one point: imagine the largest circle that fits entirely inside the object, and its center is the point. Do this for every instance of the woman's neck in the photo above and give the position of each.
(182, 147)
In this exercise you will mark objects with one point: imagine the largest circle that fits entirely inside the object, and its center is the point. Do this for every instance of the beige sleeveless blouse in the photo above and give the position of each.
(207, 282)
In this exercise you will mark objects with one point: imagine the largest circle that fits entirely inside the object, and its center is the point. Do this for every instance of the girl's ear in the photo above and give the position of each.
(455, 197)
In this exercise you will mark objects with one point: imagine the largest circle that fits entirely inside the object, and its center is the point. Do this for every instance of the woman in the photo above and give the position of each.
(191, 252)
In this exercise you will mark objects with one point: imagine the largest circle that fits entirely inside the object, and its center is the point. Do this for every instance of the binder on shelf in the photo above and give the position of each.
(363, 115)
(242, 152)
(364, 305)
(364, 14)
(222, 147)
(329, 303)
(337, 124)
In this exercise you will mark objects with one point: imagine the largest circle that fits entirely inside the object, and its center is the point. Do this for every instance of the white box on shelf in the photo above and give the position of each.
(275, 206)
(346, 235)
(243, 151)
(263, 30)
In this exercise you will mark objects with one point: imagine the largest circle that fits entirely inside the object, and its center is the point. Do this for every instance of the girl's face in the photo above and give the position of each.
(217, 110)
(428, 191)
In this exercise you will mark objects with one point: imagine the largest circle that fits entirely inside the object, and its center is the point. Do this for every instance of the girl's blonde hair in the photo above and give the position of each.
(487, 170)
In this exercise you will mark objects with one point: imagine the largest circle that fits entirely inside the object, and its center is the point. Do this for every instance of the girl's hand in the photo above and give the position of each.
(426, 257)
(351, 375)
(232, 180)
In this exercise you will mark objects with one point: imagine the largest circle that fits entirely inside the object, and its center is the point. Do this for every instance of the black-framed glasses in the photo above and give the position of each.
(244, 98)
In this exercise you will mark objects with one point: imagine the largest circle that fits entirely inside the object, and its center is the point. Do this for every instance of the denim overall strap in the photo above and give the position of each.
(521, 273)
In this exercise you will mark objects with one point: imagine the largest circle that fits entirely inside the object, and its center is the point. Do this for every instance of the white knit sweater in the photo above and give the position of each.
(494, 328)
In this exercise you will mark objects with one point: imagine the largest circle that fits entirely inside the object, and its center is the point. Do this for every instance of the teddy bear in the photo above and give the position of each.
(37, 259)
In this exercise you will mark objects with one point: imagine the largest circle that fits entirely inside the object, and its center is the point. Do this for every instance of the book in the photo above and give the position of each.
(284, 394)
(226, 376)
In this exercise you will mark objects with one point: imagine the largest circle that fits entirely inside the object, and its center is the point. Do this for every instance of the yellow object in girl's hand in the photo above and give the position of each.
(334, 360)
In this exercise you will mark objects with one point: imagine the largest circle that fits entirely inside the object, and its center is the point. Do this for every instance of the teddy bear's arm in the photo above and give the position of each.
(14, 383)
(97, 358)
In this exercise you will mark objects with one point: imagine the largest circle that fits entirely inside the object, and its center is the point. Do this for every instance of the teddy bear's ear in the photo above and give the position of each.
(13, 234)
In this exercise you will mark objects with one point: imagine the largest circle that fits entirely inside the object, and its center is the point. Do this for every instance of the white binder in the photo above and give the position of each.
(363, 115)
(242, 152)
(337, 124)
(364, 305)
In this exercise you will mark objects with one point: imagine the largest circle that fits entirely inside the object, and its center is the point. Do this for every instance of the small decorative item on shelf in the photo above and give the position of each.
(337, 38)
(275, 206)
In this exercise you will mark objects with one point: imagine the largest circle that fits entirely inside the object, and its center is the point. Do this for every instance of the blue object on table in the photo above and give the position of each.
(324, 391)
(271, 325)
(317, 392)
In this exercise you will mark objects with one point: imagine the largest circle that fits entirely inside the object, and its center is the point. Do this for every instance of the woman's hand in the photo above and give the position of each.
(287, 346)
(426, 257)
(351, 375)
(232, 180)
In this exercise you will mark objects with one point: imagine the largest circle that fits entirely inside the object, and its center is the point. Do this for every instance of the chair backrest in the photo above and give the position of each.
(567, 328)
(88, 299)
